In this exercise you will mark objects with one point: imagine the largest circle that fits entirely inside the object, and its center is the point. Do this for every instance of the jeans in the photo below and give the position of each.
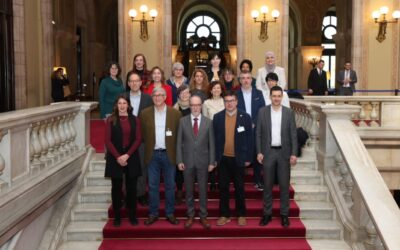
(160, 163)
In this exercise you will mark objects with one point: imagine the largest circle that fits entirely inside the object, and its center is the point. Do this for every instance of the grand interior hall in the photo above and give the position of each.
(338, 61)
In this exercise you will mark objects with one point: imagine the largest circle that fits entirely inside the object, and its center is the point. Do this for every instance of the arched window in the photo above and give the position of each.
(329, 53)
(204, 26)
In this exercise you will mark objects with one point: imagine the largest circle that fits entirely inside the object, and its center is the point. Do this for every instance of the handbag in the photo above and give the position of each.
(67, 90)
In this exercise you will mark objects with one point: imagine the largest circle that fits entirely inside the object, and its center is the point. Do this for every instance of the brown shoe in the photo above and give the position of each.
(150, 220)
(223, 220)
(189, 222)
(204, 222)
(242, 221)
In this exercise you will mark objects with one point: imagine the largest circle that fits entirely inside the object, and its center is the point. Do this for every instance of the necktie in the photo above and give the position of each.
(195, 126)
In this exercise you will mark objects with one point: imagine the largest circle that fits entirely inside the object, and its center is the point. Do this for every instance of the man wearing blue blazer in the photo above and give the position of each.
(251, 100)
(234, 147)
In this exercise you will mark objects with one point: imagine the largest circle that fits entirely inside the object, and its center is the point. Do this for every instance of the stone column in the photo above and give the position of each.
(359, 41)
(167, 37)
(240, 33)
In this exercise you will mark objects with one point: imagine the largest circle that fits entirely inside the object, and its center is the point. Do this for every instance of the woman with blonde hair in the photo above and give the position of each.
(229, 80)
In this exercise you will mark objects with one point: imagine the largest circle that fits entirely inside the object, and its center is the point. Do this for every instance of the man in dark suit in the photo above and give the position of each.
(160, 128)
(251, 100)
(276, 142)
(317, 84)
(195, 155)
(233, 135)
(139, 101)
(346, 79)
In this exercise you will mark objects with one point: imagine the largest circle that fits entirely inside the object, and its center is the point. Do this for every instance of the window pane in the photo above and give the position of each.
(191, 27)
(326, 21)
(198, 20)
(203, 31)
(329, 45)
(217, 35)
(329, 32)
(189, 34)
(333, 71)
(334, 21)
(208, 20)
(214, 27)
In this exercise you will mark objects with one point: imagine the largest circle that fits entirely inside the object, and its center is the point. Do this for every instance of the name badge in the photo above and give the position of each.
(168, 133)
(240, 129)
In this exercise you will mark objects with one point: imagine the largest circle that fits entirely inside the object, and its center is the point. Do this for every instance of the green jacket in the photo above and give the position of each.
(108, 92)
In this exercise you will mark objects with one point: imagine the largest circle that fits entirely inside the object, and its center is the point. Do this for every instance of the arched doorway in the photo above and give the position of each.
(202, 30)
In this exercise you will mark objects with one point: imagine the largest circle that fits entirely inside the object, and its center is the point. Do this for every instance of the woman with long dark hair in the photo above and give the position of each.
(123, 138)
(140, 67)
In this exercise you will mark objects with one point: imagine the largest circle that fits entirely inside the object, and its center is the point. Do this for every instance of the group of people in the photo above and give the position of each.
(184, 130)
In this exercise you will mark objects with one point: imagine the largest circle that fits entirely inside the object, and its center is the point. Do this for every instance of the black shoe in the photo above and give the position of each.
(285, 221)
(133, 221)
(150, 220)
(117, 222)
(143, 200)
(173, 220)
(265, 220)
(259, 186)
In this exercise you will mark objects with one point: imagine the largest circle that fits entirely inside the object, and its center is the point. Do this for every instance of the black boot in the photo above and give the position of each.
(132, 218)
(117, 218)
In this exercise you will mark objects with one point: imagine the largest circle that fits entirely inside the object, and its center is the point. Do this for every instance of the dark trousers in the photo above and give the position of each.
(179, 179)
(228, 170)
(276, 165)
(116, 194)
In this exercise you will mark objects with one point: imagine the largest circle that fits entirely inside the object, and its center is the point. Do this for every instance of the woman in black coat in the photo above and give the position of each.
(123, 137)
(58, 81)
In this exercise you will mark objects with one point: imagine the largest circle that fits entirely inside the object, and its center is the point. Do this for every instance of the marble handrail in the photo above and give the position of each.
(41, 154)
(364, 204)
(376, 111)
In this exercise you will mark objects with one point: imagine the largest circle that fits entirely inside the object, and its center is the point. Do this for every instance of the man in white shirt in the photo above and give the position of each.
(276, 150)
(347, 79)
(270, 67)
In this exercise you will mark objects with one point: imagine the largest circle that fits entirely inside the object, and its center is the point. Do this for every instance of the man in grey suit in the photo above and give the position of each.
(276, 139)
(347, 78)
(195, 155)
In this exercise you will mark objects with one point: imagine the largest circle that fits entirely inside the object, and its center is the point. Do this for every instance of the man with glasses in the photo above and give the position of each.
(233, 152)
(139, 101)
(160, 127)
(195, 155)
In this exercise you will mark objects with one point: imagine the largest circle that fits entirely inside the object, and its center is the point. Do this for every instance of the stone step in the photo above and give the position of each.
(96, 178)
(321, 210)
(322, 229)
(85, 231)
(86, 245)
(98, 164)
(90, 212)
(310, 193)
(328, 245)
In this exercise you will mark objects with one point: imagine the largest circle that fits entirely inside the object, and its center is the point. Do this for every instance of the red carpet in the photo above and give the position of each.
(162, 235)
(97, 128)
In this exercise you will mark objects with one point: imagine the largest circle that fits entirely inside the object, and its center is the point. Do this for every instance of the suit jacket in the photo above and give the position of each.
(243, 140)
(195, 150)
(148, 132)
(317, 82)
(353, 77)
(288, 132)
(145, 101)
(257, 102)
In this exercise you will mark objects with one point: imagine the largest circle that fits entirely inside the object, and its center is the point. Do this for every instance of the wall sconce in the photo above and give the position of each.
(264, 22)
(144, 35)
(383, 22)
(313, 61)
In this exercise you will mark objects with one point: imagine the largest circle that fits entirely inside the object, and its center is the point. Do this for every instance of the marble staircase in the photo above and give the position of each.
(318, 214)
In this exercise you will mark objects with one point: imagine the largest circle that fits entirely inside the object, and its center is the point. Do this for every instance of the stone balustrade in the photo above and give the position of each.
(364, 204)
(376, 111)
(41, 152)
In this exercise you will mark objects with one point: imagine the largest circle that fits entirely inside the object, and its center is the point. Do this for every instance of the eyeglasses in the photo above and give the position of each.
(158, 95)
(135, 81)
(195, 105)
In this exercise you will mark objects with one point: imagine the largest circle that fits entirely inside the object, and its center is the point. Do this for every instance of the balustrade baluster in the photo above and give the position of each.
(43, 143)
(57, 139)
(67, 134)
(338, 163)
(363, 114)
(374, 115)
(63, 136)
(2, 164)
(73, 132)
(36, 147)
(50, 140)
